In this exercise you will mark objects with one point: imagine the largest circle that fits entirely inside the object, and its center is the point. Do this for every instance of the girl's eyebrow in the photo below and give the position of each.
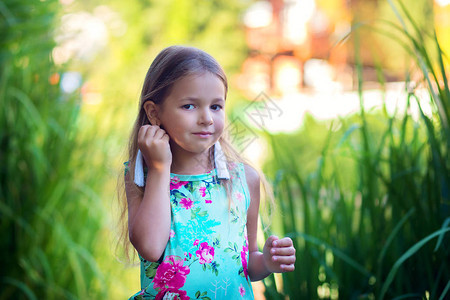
(189, 99)
(198, 99)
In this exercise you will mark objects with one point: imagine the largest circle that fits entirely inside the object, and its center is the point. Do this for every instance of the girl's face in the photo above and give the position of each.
(193, 113)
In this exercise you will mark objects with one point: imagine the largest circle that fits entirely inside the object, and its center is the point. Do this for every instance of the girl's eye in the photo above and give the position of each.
(188, 106)
(216, 107)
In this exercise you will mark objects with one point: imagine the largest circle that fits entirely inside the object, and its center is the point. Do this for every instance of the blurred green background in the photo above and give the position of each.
(352, 131)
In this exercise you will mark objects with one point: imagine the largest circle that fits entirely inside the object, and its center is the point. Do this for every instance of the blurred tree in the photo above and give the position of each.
(49, 214)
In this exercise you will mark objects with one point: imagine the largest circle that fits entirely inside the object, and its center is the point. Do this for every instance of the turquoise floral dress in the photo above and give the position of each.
(207, 253)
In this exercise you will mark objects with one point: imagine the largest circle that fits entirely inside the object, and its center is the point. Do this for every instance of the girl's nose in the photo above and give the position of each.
(205, 117)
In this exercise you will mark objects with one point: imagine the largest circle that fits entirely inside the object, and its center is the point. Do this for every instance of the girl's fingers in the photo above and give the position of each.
(270, 242)
(151, 132)
(284, 260)
(147, 132)
(287, 268)
(283, 251)
(284, 242)
(142, 131)
(159, 134)
(166, 137)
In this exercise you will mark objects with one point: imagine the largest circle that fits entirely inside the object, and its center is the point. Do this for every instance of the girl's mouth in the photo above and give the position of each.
(203, 134)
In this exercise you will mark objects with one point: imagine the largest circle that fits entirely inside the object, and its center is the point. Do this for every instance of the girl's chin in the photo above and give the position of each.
(194, 148)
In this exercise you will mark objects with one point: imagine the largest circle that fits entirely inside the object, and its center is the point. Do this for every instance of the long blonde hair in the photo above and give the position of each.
(170, 65)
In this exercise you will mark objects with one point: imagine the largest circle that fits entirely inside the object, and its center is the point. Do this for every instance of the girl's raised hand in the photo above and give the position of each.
(279, 255)
(154, 145)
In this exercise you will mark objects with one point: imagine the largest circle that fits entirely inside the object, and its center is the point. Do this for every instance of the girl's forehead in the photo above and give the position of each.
(201, 75)
(204, 84)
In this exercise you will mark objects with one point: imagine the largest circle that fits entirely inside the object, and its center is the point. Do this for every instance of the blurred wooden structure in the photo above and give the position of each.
(282, 35)
(292, 45)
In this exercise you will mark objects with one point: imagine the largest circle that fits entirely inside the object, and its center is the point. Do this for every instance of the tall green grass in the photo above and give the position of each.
(371, 219)
(50, 213)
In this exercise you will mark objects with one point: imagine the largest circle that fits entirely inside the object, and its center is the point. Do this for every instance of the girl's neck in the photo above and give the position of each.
(186, 163)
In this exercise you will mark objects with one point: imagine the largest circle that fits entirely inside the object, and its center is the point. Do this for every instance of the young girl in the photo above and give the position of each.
(193, 207)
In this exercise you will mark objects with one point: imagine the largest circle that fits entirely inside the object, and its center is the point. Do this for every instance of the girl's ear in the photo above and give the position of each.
(151, 110)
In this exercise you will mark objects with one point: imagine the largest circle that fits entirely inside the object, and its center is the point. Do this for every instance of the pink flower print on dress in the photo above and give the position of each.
(202, 191)
(187, 203)
(172, 233)
(205, 253)
(172, 294)
(208, 201)
(196, 242)
(245, 247)
(241, 290)
(244, 263)
(244, 256)
(171, 274)
(239, 196)
(175, 183)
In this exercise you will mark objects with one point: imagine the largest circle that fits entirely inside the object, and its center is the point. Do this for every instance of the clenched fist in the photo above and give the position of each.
(154, 145)
(279, 255)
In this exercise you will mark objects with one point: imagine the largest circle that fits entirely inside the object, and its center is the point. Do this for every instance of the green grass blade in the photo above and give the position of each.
(408, 296)
(21, 286)
(9, 17)
(410, 18)
(389, 34)
(441, 64)
(397, 14)
(347, 134)
(344, 39)
(32, 112)
(441, 237)
(350, 261)
(424, 63)
(8, 213)
(394, 232)
(77, 269)
(410, 252)
(45, 264)
(445, 291)
(445, 91)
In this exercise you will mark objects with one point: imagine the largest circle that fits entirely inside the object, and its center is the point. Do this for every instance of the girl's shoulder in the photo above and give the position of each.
(252, 176)
(245, 172)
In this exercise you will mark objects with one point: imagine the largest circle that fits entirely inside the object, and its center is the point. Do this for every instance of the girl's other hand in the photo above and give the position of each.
(154, 145)
(279, 255)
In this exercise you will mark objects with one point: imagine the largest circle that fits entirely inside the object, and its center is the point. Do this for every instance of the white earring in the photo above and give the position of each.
(220, 162)
(139, 170)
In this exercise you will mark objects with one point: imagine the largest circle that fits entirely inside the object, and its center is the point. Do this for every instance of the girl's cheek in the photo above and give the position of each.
(221, 126)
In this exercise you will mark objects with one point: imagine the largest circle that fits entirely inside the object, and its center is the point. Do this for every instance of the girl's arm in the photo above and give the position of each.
(149, 215)
(278, 254)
